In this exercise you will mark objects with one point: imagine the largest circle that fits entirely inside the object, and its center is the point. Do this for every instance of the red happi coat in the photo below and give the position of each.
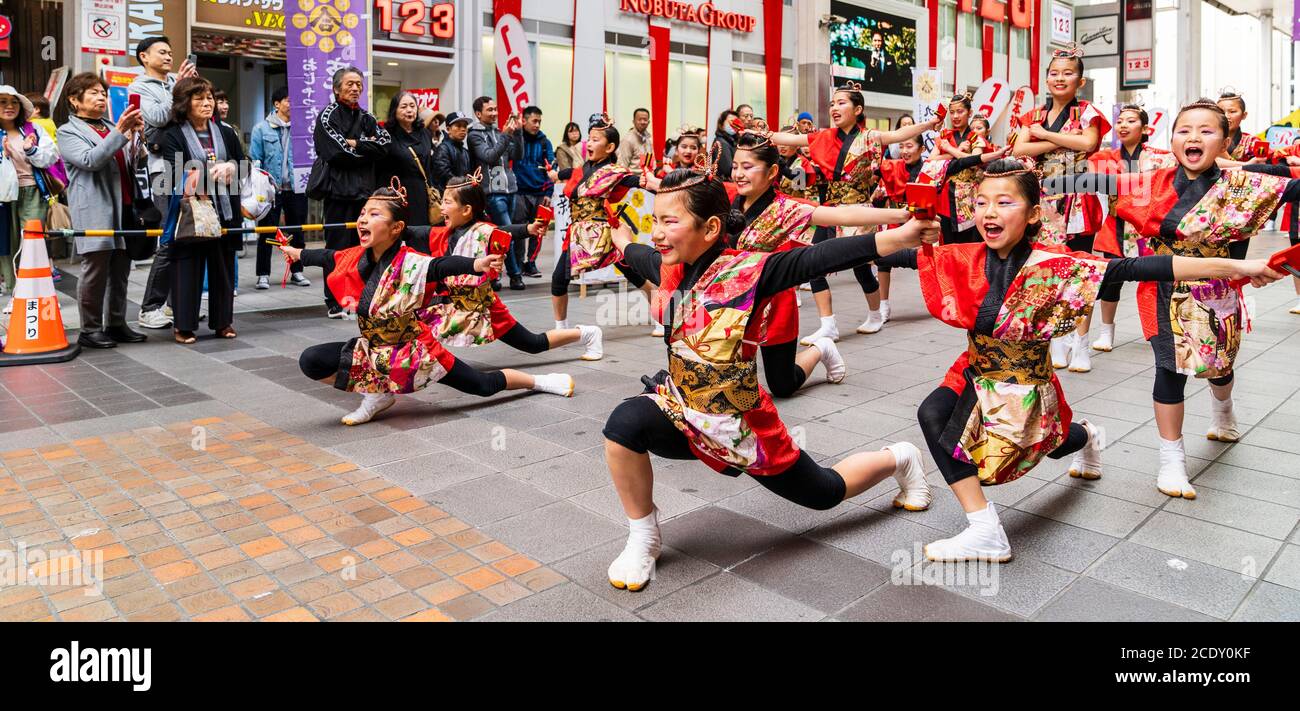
(471, 313)
(784, 225)
(397, 351)
(1111, 161)
(1066, 215)
(711, 392)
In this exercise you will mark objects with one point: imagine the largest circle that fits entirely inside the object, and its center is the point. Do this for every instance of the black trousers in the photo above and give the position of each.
(340, 211)
(783, 374)
(294, 208)
(639, 425)
(101, 293)
(866, 278)
(158, 285)
(936, 411)
(521, 339)
(190, 260)
(1170, 386)
(526, 205)
(326, 360)
(562, 276)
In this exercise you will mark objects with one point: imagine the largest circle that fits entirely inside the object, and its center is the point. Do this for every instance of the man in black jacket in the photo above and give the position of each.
(348, 142)
(451, 157)
(493, 150)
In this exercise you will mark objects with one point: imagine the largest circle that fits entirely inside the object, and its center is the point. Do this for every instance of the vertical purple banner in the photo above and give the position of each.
(1295, 21)
(321, 38)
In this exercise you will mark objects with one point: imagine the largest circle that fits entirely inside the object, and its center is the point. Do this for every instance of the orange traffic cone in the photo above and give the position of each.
(36, 325)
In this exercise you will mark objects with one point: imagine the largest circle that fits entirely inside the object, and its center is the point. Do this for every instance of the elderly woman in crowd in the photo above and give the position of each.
(196, 138)
(96, 154)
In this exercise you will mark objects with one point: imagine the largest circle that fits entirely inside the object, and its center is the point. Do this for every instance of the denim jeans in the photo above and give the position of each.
(501, 208)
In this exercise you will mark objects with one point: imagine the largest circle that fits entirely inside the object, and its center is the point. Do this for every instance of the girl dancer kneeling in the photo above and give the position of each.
(1001, 409)
(708, 405)
(470, 312)
(1194, 323)
(389, 285)
(773, 222)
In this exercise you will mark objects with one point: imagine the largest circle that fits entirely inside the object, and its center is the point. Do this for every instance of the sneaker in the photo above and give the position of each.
(1087, 463)
(156, 319)
(517, 283)
(831, 360)
(873, 324)
(297, 279)
(909, 471)
(56, 274)
(984, 540)
(263, 283)
(1106, 342)
(1061, 349)
(554, 383)
(1081, 356)
(335, 312)
(658, 331)
(829, 329)
(532, 271)
(805, 287)
(167, 310)
(1296, 309)
(592, 339)
(884, 311)
(371, 405)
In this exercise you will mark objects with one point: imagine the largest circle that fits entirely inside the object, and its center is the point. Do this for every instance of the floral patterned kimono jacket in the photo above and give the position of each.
(710, 309)
(1011, 411)
(776, 223)
(958, 179)
(588, 239)
(853, 163)
(1242, 147)
(1195, 326)
(397, 351)
(1067, 215)
(1115, 236)
(467, 312)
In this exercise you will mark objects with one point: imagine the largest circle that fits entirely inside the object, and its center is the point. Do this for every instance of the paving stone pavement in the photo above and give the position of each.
(527, 472)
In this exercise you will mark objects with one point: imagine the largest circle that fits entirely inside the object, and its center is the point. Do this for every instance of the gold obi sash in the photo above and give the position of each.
(1022, 362)
(469, 298)
(390, 330)
(845, 192)
(587, 208)
(715, 388)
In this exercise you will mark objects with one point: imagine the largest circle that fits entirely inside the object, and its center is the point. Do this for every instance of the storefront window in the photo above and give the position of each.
(555, 88)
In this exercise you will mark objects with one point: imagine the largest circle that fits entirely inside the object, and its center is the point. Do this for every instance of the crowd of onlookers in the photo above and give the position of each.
(172, 161)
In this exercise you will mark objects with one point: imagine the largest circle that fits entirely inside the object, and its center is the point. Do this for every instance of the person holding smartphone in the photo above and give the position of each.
(154, 89)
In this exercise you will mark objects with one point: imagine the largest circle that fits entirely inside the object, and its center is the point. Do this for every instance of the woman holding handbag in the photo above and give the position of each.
(28, 148)
(100, 191)
(203, 202)
(410, 158)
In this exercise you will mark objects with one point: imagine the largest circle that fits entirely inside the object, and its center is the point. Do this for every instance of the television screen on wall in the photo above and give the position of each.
(875, 49)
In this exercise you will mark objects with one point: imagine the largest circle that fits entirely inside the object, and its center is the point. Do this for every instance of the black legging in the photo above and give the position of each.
(1110, 291)
(639, 425)
(866, 278)
(783, 374)
(521, 339)
(934, 415)
(1170, 386)
(326, 360)
(563, 275)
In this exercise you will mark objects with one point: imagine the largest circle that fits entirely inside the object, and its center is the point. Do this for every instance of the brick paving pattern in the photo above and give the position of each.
(226, 519)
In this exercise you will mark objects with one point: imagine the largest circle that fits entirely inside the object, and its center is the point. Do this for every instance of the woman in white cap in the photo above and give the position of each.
(27, 147)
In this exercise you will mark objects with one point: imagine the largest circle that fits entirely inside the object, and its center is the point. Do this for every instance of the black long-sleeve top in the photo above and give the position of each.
(782, 270)
(631, 180)
(441, 268)
(1000, 272)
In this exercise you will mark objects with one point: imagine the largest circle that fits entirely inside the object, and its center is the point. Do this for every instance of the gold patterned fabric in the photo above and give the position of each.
(1024, 362)
(842, 192)
(587, 208)
(716, 388)
(390, 330)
